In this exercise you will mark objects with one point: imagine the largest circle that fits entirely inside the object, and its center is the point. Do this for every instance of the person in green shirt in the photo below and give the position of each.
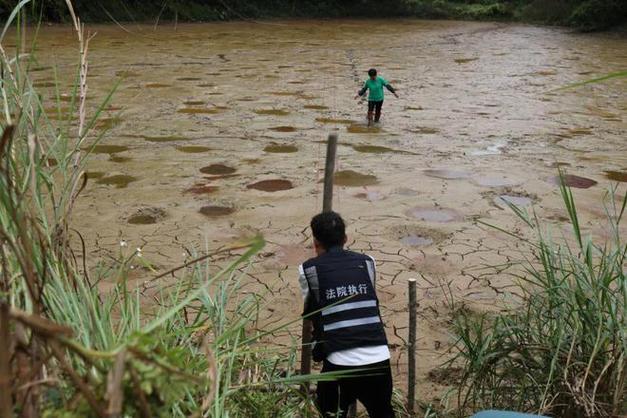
(375, 86)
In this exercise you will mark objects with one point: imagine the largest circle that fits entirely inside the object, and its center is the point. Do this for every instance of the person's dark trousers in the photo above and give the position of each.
(372, 387)
(376, 106)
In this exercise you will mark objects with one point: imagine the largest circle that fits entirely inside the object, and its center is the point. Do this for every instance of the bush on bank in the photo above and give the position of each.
(583, 14)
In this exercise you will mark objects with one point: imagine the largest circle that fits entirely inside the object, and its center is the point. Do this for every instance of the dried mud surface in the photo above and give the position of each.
(206, 111)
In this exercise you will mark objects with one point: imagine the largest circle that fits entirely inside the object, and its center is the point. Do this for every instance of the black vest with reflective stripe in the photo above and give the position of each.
(341, 285)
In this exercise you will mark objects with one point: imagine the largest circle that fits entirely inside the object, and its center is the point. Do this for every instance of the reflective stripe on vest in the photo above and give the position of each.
(370, 267)
(348, 306)
(312, 278)
(352, 323)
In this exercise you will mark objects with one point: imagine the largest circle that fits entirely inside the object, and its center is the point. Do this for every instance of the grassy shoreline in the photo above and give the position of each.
(586, 15)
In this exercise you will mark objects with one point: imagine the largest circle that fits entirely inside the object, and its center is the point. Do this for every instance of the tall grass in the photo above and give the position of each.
(68, 349)
(561, 349)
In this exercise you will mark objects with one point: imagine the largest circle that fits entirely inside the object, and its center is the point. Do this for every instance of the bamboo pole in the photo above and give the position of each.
(327, 206)
(329, 170)
(411, 349)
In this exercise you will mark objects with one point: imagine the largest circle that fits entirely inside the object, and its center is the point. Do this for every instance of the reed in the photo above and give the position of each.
(560, 349)
(68, 348)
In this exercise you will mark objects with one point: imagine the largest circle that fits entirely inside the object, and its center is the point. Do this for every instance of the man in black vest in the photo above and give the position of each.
(339, 285)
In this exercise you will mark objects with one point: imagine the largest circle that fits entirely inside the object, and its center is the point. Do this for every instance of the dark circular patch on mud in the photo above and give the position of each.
(281, 149)
(616, 175)
(218, 169)
(283, 129)
(108, 149)
(193, 149)
(447, 174)
(272, 112)
(372, 149)
(274, 185)
(147, 216)
(215, 210)
(572, 180)
(350, 178)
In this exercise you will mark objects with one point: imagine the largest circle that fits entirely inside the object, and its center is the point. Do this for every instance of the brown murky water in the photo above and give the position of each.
(205, 111)
(275, 185)
(218, 169)
(213, 210)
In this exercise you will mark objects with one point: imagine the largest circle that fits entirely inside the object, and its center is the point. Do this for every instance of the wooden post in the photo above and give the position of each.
(329, 171)
(327, 206)
(411, 349)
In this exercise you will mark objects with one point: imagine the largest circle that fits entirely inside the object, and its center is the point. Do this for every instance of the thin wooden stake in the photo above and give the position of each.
(115, 391)
(411, 349)
(327, 206)
(329, 171)
(305, 353)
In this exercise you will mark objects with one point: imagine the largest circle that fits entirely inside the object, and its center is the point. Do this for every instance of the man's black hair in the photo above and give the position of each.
(372, 72)
(329, 229)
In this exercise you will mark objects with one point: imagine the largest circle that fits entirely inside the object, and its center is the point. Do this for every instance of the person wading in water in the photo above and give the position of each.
(338, 287)
(375, 86)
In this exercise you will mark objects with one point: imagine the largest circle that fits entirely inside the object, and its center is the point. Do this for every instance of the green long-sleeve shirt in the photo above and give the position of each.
(375, 88)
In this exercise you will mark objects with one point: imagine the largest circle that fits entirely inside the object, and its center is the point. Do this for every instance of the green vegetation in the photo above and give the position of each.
(69, 348)
(561, 348)
(583, 14)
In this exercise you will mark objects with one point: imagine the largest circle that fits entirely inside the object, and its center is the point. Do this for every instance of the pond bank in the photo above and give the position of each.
(582, 14)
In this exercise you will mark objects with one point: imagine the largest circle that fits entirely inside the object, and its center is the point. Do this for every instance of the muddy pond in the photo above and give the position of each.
(216, 131)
